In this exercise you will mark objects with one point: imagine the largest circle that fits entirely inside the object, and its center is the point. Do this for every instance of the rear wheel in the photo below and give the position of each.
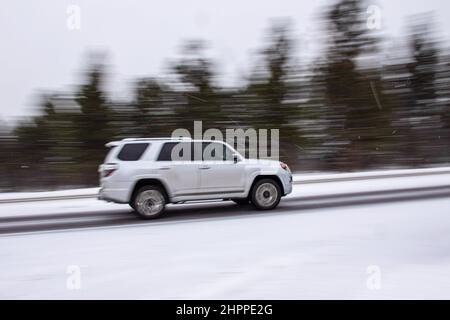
(266, 194)
(149, 202)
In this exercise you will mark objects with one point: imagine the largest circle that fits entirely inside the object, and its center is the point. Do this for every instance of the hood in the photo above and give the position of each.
(265, 162)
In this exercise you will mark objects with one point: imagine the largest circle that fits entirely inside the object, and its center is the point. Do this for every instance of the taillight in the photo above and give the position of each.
(106, 170)
(109, 172)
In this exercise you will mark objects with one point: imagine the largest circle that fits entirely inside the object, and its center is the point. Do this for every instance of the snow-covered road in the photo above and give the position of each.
(327, 240)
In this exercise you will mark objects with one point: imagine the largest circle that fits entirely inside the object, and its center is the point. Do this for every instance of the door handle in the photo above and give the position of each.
(204, 167)
(164, 168)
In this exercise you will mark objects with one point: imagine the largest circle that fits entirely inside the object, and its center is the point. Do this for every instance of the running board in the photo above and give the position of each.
(200, 201)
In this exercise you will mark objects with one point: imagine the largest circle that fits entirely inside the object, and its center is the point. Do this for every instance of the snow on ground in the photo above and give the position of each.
(48, 194)
(382, 184)
(364, 174)
(58, 206)
(322, 253)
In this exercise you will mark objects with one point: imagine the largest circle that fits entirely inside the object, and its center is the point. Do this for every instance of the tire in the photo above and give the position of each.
(240, 201)
(266, 194)
(149, 202)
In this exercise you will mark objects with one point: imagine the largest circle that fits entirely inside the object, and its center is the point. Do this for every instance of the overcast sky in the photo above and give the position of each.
(40, 52)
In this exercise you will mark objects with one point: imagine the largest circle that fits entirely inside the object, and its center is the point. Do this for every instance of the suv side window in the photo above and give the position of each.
(213, 151)
(176, 151)
(132, 151)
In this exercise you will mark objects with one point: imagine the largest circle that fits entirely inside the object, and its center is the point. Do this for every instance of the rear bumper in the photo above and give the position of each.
(113, 195)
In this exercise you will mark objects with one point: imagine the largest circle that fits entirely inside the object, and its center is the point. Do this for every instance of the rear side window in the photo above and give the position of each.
(194, 151)
(132, 151)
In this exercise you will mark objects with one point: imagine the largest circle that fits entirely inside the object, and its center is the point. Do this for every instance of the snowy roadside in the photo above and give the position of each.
(366, 175)
(433, 173)
(7, 197)
(300, 191)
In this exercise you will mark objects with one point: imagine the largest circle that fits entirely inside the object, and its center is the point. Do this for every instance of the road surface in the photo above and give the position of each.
(384, 238)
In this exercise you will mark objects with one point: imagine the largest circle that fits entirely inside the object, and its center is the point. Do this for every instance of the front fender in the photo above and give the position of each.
(252, 175)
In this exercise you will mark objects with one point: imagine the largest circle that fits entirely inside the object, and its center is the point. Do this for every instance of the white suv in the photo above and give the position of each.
(149, 173)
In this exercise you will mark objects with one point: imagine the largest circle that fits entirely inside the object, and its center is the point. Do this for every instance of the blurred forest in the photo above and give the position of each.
(354, 108)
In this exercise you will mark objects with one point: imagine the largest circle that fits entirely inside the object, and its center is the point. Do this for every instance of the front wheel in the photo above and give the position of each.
(266, 194)
(149, 202)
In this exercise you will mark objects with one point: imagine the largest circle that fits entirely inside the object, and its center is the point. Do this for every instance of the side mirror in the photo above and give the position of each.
(235, 158)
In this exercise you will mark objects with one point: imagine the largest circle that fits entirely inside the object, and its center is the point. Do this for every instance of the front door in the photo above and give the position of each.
(218, 171)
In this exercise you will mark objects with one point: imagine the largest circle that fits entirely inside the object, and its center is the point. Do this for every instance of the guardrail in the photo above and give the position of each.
(337, 177)
(299, 179)
(50, 198)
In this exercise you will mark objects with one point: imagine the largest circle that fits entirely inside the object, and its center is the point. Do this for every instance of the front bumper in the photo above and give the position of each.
(286, 180)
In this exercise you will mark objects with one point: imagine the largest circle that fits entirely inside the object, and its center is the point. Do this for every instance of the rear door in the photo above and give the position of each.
(175, 164)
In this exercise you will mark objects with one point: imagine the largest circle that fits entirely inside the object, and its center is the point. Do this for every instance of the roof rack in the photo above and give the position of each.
(167, 138)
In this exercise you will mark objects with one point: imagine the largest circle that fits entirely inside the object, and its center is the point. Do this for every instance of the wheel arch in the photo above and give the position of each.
(149, 181)
(266, 176)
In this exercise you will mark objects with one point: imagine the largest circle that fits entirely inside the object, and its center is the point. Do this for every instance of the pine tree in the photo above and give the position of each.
(272, 90)
(423, 111)
(196, 85)
(154, 112)
(94, 126)
(358, 119)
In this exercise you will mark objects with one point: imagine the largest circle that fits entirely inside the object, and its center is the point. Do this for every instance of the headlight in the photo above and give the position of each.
(284, 166)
